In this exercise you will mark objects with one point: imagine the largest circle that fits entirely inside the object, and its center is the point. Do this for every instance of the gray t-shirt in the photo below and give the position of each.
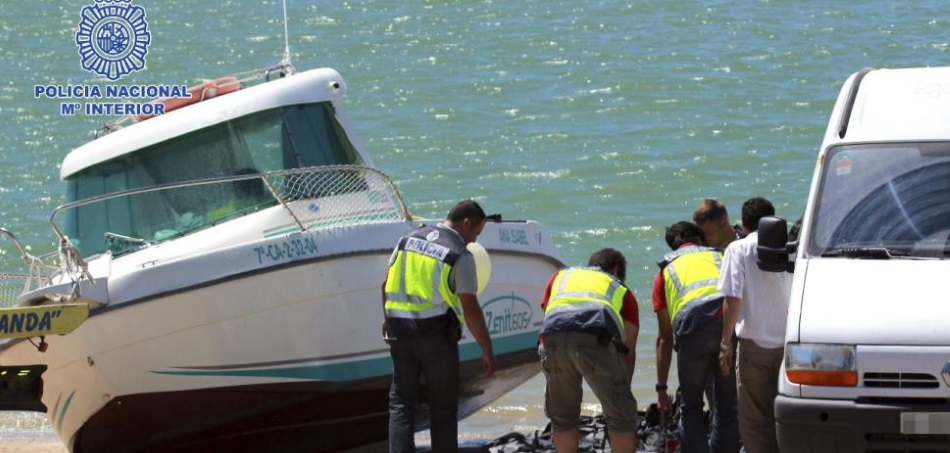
(463, 275)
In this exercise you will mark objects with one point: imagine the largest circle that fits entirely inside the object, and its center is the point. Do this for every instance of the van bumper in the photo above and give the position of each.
(813, 425)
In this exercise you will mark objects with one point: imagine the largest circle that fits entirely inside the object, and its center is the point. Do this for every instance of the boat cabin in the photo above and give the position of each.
(258, 137)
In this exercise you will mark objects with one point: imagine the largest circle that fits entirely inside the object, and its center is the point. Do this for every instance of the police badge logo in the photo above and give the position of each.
(113, 38)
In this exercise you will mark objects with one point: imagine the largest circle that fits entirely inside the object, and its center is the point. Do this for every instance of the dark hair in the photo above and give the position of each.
(708, 211)
(680, 233)
(607, 259)
(753, 210)
(466, 209)
(795, 230)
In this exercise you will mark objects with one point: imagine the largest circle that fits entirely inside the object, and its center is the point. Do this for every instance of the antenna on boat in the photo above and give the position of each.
(286, 60)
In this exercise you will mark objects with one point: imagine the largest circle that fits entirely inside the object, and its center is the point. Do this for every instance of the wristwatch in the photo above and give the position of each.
(661, 387)
(725, 347)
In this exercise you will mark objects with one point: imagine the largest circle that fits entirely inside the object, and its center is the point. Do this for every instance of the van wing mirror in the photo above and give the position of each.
(772, 250)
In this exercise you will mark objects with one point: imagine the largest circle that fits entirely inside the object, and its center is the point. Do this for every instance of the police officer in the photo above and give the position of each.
(689, 311)
(591, 322)
(428, 292)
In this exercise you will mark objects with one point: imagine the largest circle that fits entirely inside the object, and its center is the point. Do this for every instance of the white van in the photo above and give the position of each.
(867, 346)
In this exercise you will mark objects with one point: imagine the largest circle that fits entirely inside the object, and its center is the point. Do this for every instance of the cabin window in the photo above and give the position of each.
(278, 139)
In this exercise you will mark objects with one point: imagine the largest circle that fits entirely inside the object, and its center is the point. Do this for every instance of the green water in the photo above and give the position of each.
(603, 120)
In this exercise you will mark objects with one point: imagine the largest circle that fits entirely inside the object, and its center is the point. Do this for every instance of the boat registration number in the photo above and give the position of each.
(286, 250)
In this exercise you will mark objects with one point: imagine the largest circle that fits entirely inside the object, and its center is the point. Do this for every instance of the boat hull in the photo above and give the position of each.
(287, 417)
(286, 354)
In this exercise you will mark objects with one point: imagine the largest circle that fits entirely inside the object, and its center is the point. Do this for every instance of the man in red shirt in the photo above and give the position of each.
(591, 323)
(689, 310)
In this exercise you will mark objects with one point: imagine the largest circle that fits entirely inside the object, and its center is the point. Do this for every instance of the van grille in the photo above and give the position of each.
(902, 401)
(903, 443)
(901, 380)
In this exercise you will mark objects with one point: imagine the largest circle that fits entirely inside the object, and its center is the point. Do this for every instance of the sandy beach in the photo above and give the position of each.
(54, 446)
(32, 446)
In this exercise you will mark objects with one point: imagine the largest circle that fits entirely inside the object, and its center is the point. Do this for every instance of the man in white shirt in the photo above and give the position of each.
(755, 308)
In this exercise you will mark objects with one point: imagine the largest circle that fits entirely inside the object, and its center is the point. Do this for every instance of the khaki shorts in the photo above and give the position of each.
(568, 359)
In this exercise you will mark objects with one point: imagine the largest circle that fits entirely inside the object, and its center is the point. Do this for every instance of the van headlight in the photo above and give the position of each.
(821, 364)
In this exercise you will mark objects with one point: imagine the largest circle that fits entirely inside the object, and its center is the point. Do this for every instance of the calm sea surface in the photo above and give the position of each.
(604, 120)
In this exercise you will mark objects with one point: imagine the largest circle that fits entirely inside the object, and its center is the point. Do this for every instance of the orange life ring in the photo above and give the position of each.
(201, 92)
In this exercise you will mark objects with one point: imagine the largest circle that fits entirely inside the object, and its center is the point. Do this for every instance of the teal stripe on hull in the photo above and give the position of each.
(362, 369)
(62, 413)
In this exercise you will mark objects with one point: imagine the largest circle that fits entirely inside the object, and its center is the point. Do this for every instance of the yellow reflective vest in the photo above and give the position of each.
(690, 277)
(580, 296)
(417, 284)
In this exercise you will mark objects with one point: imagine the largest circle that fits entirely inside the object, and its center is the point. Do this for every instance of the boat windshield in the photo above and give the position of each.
(883, 201)
(283, 138)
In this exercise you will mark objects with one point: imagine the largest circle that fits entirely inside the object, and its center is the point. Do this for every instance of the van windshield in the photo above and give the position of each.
(892, 198)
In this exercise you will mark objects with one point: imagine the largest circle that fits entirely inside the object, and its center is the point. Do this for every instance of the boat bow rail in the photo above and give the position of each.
(14, 284)
(313, 198)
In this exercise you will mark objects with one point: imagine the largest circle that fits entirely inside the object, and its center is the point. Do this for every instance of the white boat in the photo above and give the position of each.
(232, 252)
